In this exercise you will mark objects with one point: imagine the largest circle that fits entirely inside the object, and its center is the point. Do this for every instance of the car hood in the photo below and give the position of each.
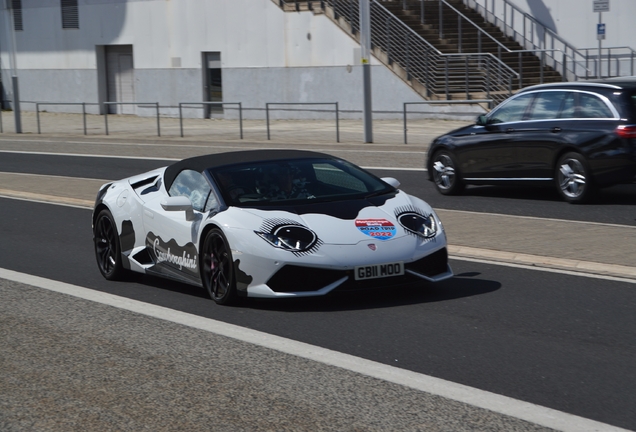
(337, 222)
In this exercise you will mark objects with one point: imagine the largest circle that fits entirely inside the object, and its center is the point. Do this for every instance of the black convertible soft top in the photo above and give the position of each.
(201, 163)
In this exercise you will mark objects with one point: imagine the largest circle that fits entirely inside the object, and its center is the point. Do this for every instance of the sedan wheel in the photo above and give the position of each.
(217, 268)
(573, 178)
(107, 248)
(445, 175)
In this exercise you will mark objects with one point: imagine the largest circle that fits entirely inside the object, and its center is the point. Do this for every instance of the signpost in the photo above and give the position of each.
(600, 6)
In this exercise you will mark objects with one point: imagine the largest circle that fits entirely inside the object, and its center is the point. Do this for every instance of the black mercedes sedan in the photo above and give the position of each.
(579, 136)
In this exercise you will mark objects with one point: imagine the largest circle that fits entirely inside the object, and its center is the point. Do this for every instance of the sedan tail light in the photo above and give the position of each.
(626, 131)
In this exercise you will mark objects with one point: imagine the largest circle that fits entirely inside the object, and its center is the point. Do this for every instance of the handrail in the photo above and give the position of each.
(39, 104)
(156, 104)
(240, 108)
(481, 30)
(432, 72)
(441, 61)
(304, 103)
(519, 31)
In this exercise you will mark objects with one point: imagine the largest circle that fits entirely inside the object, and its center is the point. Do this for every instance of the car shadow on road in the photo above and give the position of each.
(461, 286)
(615, 195)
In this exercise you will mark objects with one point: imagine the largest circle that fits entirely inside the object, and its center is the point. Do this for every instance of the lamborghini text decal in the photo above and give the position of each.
(171, 254)
(181, 261)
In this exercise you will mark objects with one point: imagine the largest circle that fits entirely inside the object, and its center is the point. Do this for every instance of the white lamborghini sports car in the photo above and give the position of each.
(267, 223)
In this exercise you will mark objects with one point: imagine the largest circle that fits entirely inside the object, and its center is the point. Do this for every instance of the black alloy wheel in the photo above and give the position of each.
(445, 174)
(107, 248)
(573, 178)
(217, 268)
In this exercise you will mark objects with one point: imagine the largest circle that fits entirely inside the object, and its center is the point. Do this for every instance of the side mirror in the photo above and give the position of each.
(178, 203)
(390, 180)
(482, 120)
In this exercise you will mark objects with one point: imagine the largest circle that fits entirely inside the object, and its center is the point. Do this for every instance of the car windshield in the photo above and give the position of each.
(295, 181)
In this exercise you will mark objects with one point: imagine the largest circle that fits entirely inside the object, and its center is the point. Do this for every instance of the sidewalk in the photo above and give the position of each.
(522, 241)
(385, 132)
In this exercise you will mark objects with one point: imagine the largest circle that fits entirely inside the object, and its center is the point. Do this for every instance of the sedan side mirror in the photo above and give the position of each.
(482, 120)
(178, 203)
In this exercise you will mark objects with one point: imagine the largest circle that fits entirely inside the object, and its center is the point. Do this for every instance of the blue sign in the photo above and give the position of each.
(600, 31)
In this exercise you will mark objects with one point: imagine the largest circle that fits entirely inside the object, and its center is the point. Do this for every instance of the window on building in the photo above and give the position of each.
(16, 5)
(70, 14)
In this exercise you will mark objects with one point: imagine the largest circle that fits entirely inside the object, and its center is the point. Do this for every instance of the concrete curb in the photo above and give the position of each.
(522, 259)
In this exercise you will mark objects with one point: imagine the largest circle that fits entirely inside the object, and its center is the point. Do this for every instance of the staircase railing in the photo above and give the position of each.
(438, 75)
(531, 34)
(463, 21)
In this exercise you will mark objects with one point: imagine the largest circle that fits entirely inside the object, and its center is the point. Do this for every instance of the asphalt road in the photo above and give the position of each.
(557, 340)
(614, 206)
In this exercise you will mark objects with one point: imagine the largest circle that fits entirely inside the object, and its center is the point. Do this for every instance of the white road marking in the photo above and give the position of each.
(538, 218)
(206, 146)
(171, 159)
(89, 155)
(543, 269)
(479, 398)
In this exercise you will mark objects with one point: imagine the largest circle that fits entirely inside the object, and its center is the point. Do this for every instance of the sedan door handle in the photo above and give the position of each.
(509, 130)
(556, 129)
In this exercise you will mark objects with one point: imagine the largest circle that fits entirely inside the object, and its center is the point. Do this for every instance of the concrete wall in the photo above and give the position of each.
(267, 55)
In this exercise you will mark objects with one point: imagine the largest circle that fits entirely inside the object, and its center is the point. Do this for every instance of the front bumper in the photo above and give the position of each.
(302, 281)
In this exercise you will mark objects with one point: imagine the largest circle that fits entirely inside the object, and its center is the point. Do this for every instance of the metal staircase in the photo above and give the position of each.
(434, 74)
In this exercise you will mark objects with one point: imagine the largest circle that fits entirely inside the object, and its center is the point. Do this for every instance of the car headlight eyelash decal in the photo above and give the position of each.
(289, 235)
(417, 222)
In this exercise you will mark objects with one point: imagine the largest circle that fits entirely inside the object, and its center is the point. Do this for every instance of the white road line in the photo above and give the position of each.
(479, 398)
(207, 146)
(89, 155)
(54, 176)
(543, 219)
(41, 201)
(543, 269)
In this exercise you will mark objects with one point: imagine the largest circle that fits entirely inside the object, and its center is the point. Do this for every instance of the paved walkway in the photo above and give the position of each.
(518, 240)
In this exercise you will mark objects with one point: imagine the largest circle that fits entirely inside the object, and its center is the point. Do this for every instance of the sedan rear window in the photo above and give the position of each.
(591, 106)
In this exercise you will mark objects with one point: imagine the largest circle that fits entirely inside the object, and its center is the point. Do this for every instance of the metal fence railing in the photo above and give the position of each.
(139, 104)
(183, 104)
(489, 102)
(335, 104)
(576, 63)
(82, 104)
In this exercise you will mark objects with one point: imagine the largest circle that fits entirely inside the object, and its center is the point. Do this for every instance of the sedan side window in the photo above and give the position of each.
(193, 185)
(547, 105)
(513, 111)
(569, 106)
(590, 106)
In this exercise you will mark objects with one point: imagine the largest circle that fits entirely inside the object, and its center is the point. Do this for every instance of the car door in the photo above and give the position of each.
(487, 152)
(172, 231)
(542, 133)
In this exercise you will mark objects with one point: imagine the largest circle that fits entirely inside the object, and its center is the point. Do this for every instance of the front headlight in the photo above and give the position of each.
(293, 238)
(423, 226)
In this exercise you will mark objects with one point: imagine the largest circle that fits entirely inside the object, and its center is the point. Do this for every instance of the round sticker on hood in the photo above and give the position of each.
(380, 229)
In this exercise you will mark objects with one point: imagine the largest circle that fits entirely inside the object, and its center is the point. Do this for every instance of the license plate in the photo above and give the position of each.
(379, 271)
